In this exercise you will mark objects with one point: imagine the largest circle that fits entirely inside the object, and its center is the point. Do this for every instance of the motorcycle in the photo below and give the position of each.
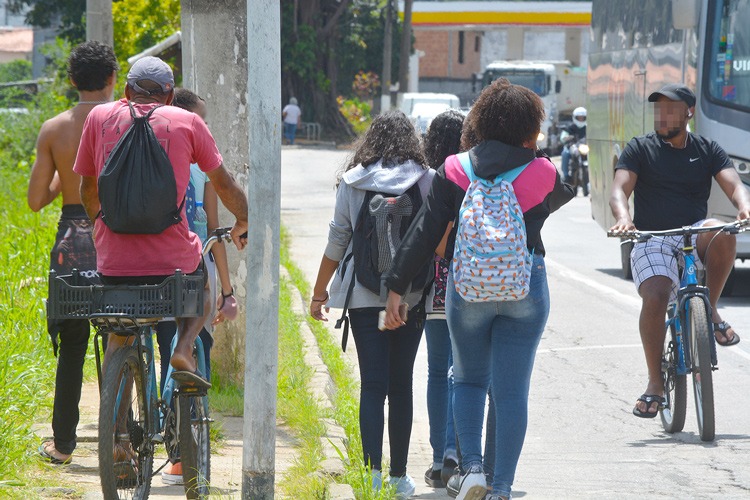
(578, 166)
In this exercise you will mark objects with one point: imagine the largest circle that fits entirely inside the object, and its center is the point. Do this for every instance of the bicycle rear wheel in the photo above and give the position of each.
(195, 446)
(700, 350)
(675, 387)
(125, 448)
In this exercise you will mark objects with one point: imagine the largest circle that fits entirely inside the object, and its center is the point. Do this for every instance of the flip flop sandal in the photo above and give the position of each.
(195, 378)
(722, 328)
(46, 456)
(649, 399)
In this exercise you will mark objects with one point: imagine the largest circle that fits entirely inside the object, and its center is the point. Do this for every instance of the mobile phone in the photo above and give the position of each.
(403, 310)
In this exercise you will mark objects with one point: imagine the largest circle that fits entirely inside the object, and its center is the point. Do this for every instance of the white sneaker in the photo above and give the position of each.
(405, 486)
(172, 474)
(473, 484)
(377, 480)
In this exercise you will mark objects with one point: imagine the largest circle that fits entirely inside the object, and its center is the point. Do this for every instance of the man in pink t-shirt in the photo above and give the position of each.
(149, 258)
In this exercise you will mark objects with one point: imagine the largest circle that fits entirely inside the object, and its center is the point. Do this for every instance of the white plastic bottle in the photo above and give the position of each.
(200, 221)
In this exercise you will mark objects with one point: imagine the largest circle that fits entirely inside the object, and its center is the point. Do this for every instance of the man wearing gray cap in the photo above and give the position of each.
(150, 258)
(670, 172)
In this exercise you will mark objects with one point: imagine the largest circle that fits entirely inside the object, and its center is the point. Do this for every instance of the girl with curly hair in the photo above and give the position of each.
(494, 342)
(387, 159)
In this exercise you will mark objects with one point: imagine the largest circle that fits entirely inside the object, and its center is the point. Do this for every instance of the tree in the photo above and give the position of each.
(67, 14)
(14, 71)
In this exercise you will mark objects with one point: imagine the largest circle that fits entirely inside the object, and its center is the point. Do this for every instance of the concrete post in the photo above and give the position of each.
(515, 40)
(99, 21)
(573, 45)
(243, 98)
(261, 349)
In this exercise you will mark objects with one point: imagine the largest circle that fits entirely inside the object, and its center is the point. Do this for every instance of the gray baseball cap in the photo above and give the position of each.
(675, 92)
(153, 69)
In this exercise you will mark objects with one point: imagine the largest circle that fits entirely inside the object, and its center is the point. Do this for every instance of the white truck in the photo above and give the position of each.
(539, 77)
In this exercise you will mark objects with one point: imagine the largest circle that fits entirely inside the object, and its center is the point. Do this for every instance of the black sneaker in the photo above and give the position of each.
(432, 478)
(450, 467)
(453, 484)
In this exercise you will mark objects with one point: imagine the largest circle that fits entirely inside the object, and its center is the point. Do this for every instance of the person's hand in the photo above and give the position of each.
(744, 213)
(621, 226)
(317, 302)
(226, 307)
(239, 234)
(393, 317)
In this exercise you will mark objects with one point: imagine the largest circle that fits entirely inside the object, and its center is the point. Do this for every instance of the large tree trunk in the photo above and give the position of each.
(315, 90)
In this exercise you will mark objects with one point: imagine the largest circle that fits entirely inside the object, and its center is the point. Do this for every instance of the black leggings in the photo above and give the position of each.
(386, 365)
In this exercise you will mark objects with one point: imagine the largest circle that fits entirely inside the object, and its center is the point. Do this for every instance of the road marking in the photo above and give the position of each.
(570, 274)
(587, 347)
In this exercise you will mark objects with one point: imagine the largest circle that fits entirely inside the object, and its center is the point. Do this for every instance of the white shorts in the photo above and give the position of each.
(661, 256)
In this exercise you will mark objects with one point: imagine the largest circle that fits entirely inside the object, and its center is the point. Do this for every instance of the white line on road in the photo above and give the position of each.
(588, 347)
(572, 275)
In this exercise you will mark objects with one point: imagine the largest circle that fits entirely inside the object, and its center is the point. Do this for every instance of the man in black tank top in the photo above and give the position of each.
(670, 172)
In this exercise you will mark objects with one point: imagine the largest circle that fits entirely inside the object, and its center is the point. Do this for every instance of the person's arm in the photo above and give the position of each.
(44, 182)
(622, 187)
(320, 290)
(233, 197)
(729, 182)
(90, 196)
(219, 251)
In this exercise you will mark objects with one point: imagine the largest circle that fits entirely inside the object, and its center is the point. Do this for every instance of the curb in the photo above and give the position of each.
(322, 387)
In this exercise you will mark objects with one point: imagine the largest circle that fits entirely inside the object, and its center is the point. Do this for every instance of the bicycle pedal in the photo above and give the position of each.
(191, 391)
(157, 438)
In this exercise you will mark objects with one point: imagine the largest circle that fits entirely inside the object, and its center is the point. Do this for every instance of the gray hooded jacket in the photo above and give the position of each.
(390, 179)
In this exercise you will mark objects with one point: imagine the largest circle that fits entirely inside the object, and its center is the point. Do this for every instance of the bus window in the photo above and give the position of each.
(728, 75)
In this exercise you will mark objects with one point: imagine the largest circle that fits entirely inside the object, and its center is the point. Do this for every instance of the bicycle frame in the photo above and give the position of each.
(679, 310)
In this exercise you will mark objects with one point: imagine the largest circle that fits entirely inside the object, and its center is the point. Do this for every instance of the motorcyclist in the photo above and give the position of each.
(575, 132)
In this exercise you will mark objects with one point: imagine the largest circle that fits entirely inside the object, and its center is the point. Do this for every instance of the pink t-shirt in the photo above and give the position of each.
(186, 139)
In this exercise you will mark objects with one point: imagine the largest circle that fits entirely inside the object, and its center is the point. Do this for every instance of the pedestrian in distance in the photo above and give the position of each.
(382, 188)
(292, 117)
(200, 190)
(495, 319)
(92, 70)
(670, 171)
(443, 139)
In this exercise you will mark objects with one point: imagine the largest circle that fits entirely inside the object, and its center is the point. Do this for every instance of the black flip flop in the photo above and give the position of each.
(196, 378)
(722, 328)
(649, 399)
(49, 458)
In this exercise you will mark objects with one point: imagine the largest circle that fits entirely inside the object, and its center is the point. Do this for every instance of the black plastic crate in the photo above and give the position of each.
(71, 296)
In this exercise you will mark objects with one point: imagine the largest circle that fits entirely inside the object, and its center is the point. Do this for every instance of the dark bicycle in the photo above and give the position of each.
(690, 347)
(133, 420)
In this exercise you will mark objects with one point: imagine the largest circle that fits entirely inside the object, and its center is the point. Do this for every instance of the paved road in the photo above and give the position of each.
(582, 441)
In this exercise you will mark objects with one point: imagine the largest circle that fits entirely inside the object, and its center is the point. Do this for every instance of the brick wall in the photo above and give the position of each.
(442, 55)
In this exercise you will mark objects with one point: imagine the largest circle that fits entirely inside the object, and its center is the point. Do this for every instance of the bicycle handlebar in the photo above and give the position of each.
(220, 234)
(638, 236)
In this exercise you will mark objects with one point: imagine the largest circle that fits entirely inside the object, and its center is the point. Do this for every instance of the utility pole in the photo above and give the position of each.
(99, 21)
(264, 203)
(385, 81)
(403, 67)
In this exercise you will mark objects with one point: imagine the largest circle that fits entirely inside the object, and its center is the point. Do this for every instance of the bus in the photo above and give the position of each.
(637, 46)
(536, 76)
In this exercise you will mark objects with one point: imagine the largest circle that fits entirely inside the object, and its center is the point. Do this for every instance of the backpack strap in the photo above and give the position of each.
(455, 173)
(344, 318)
(465, 161)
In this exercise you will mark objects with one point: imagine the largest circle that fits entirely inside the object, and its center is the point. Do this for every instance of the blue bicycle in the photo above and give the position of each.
(690, 347)
(133, 420)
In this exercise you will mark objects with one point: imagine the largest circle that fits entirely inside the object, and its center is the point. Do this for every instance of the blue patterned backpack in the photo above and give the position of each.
(491, 261)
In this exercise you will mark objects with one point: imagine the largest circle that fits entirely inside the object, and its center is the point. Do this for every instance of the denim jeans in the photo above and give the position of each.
(564, 161)
(496, 342)
(290, 130)
(440, 390)
(386, 366)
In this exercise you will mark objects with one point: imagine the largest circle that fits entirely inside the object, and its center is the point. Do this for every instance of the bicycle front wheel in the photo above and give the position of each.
(700, 350)
(195, 446)
(125, 448)
(675, 386)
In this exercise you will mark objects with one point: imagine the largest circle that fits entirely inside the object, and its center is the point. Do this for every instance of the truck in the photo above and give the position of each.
(561, 86)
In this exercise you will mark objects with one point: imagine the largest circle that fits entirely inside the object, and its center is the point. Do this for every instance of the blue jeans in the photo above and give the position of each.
(440, 390)
(386, 367)
(565, 160)
(496, 342)
(290, 130)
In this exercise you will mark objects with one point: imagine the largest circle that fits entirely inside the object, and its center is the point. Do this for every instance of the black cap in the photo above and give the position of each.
(675, 92)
